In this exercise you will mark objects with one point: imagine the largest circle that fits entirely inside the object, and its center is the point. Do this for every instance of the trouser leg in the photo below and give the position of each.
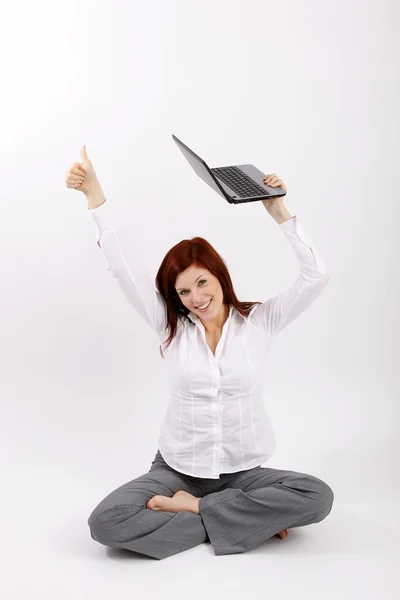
(257, 504)
(122, 519)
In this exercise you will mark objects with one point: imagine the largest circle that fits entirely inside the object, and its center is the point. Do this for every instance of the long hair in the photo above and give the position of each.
(199, 253)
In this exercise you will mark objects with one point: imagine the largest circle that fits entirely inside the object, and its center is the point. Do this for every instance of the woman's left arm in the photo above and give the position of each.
(276, 313)
(275, 206)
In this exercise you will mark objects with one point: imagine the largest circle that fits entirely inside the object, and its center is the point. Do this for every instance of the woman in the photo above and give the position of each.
(205, 482)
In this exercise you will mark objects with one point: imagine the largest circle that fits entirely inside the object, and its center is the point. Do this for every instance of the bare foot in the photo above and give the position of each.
(181, 500)
(282, 534)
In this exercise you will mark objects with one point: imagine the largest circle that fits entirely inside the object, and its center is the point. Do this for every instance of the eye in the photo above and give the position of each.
(205, 280)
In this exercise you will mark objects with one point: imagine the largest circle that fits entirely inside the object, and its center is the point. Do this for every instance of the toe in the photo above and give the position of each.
(152, 502)
(282, 534)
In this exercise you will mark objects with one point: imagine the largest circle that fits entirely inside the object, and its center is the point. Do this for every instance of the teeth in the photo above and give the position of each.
(204, 305)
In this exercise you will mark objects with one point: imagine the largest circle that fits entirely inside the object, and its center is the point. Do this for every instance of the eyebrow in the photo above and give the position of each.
(180, 289)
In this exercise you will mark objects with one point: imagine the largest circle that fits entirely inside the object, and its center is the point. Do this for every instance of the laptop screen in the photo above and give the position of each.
(199, 166)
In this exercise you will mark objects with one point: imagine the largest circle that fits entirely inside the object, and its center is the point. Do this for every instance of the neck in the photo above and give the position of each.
(216, 325)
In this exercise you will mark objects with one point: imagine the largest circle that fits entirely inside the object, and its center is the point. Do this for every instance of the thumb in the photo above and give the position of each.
(84, 155)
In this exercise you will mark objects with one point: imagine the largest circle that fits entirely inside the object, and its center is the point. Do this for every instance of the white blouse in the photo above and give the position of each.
(215, 421)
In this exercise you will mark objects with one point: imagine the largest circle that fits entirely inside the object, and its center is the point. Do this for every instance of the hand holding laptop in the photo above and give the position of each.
(274, 181)
(237, 183)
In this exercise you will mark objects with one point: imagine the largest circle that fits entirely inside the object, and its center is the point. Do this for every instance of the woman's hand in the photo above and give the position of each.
(274, 181)
(82, 176)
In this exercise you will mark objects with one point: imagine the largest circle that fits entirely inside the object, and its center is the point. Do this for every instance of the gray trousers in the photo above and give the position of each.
(237, 511)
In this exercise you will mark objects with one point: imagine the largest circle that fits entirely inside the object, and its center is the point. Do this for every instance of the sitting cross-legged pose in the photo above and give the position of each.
(206, 482)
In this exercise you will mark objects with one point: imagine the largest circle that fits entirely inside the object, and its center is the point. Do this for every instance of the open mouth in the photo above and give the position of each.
(206, 308)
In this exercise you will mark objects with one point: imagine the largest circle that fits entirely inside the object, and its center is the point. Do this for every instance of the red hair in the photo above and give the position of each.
(199, 253)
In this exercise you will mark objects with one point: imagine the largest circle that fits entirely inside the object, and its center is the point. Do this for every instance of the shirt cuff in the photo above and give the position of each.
(104, 217)
(289, 225)
(293, 231)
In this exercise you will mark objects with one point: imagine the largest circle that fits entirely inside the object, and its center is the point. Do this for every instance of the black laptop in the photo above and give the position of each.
(237, 184)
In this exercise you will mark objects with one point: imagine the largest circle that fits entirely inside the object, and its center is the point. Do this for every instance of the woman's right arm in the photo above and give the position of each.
(117, 250)
(135, 284)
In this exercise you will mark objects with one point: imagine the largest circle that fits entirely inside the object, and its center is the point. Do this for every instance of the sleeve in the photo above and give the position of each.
(120, 260)
(276, 313)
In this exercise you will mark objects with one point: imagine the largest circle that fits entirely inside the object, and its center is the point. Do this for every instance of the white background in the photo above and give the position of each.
(307, 90)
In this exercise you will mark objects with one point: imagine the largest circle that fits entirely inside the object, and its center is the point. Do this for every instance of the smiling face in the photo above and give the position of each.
(195, 287)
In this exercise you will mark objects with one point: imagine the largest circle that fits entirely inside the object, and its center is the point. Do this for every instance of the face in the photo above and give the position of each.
(195, 287)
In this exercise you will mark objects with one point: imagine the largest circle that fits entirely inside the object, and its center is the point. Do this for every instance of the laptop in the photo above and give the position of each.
(237, 184)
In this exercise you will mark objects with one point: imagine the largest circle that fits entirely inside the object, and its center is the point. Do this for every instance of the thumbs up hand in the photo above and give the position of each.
(82, 176)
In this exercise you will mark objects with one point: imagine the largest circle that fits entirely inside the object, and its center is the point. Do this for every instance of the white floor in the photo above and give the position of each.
(47, 553)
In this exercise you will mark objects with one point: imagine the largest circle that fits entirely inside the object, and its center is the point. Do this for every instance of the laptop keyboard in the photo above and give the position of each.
(239, 182)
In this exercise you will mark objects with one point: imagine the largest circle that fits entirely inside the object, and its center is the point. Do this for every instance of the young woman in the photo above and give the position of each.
(205, 482)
